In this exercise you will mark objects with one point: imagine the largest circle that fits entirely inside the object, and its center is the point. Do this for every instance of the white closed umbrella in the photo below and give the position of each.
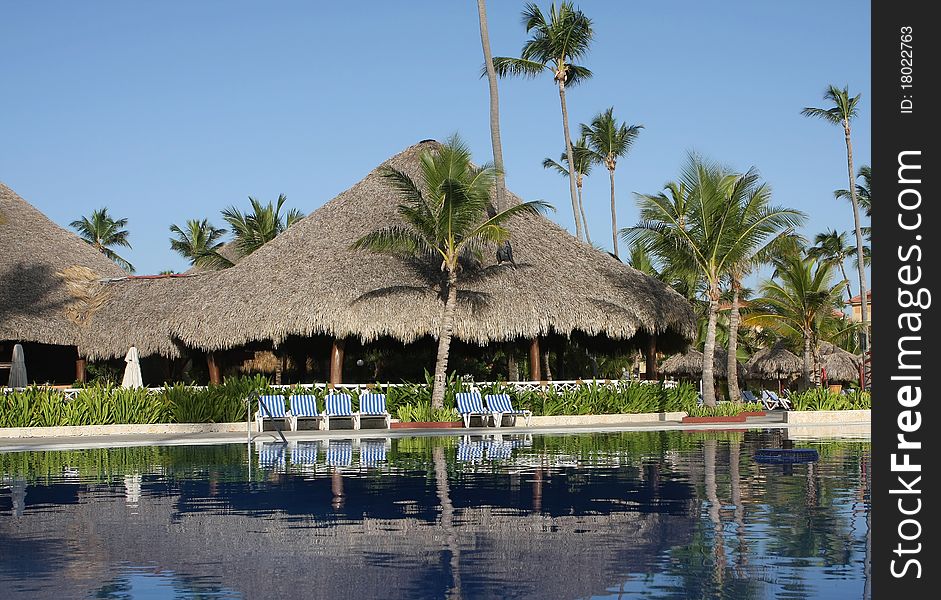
(18, 368)
(132, 376)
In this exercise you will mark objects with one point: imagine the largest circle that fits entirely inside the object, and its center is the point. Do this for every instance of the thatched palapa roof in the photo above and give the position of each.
(774, 362)
(308, 281)
(38, 262)
(839, 364)
(689, 364)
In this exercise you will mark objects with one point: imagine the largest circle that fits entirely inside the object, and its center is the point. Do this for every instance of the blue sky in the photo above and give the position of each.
(175, 110)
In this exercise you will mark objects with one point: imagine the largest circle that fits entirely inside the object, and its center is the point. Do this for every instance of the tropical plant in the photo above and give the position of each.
(445, 221)
(253, 230)
(557, 40)
(102, 231)
(824, 399)
(842, 111)
(833, 248)
(583, 163)
(199, 242)
(798, 303)
(608, 141)
(695, 226)
(863, 196)
(413, 413)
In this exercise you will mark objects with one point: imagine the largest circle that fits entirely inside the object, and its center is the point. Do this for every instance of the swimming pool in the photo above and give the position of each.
(619, 515)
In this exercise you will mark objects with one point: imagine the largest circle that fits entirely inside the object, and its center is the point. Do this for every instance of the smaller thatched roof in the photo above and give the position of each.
(690, 364)
(136, 311)
(839, 364)
(774, 362)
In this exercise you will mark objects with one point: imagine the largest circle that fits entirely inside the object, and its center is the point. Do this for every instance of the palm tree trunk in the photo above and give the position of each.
(614, 217)
(444, 344)
(709, 351)
(732, 365)
(447, 520)
(500, 200)
(571, 159)
(806, 367)
(546, 371)
(512, 367)
(849, 293)
(712, 496)
(581, 209)
(864, 309)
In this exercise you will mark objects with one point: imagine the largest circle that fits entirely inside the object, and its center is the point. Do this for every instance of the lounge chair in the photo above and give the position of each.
(339, 453)
(304, 406)
(270, 407)
(470, 404)
(747, 396)
(372, 452)
(373, 406)
(500, 405)
(772, 401)
(271, 455)
(783, 401)
(339, 406)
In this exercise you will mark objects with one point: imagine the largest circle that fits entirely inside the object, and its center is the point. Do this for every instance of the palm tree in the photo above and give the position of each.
(495, 142)
(798, 304)
(694, 229)
(556, 42)
(609, 141)
(583, 163)
(841, 113)
(102, 232)
(263, 224)
(199, 242)
(832, 247)
(863, 195)
(445, 221)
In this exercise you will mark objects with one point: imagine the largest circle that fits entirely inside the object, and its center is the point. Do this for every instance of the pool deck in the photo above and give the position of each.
(854, 429)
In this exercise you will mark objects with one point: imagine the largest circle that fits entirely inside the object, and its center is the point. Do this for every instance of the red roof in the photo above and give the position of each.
(855, 299)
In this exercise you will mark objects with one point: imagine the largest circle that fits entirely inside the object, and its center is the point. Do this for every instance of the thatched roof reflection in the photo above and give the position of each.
(39, 262)
(308, 282)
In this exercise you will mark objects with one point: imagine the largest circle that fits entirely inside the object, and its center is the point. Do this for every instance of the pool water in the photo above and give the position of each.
(619, 515)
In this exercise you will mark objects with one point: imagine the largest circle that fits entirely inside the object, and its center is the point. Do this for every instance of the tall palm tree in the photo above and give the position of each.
(583, 163)
(558, 39)
(445, 221)
(609, 141)
(102, 232)
(844, 108)
(863, 195)
(693, 227)
(832, 247)
(796, 302)
(263, 224)
(199, 242)
(495, 141)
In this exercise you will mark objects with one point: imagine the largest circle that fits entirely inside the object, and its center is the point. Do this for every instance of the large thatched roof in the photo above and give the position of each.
(774, 362)
(839, 364)
(689, 364)
(38, 261)
(307, 281)
(138, 312)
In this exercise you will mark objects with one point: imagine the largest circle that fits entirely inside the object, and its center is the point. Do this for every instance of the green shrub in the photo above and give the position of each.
(724, 409)
(824, 399)
(416, 413)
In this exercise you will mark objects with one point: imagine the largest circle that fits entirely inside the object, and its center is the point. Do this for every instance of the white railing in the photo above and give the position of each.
(521, 386)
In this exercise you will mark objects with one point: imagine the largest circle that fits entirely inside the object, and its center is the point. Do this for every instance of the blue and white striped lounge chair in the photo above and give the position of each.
(500, 405)
(372, 453)
(472, 452)
(304, 406)
(339, 453)
(339, 406)
(747, 396)
(470, 404)
(271, 456)
(772, 401)
(276, 410)
(373, 406)
(305, 454)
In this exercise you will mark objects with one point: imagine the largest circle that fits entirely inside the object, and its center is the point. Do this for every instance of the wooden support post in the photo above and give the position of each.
(80, 369)
(650, 358)
(215, 372)
(336, 361)
(535, 360)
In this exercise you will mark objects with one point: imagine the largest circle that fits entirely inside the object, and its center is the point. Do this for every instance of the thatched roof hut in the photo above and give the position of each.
(839, 364)
(308, 281)
(689, 364)
(40, 264)
(773, 363)
(138, 311)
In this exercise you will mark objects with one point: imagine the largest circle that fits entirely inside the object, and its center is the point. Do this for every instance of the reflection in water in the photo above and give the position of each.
(628, 515)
